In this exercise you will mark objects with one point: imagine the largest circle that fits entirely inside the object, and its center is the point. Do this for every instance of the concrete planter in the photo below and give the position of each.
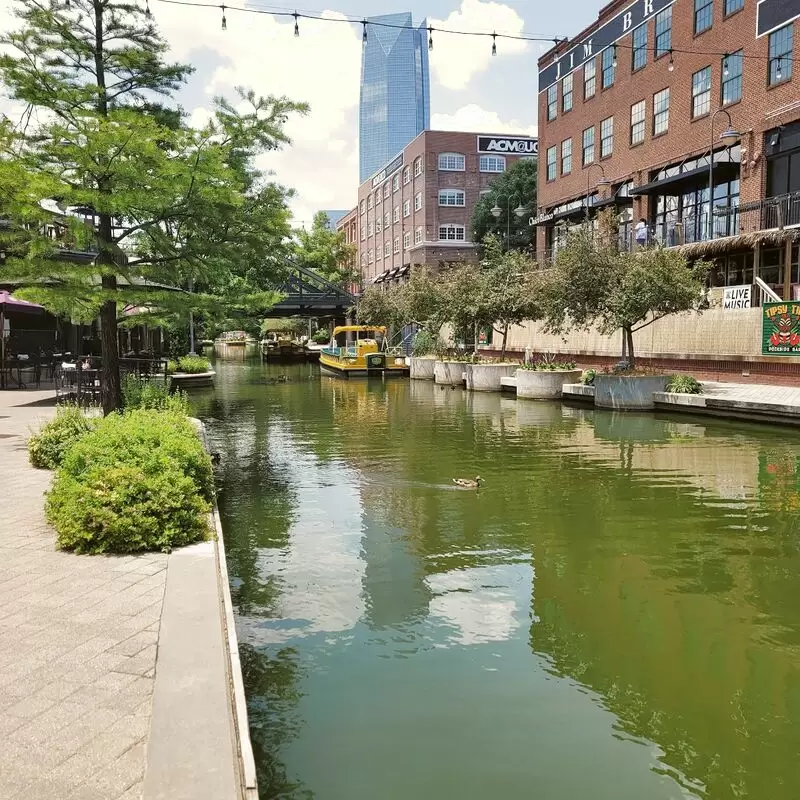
(185, 381)
(544, 384)
(448, 373)
(486, 377)
(628, 392)
(421, 369)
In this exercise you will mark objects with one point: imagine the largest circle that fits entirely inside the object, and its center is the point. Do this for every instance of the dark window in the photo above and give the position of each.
(663, 23)
(552, 101)
(732, 6)
(703, 15)
(551, 163)
(701, 92)
(609, 66)
(781, 43)
(589, 78)
(566, 93)
(588, 146)
(639, 40)
(732, 78)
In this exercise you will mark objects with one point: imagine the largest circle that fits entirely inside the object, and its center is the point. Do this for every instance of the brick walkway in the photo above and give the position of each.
(78, 638)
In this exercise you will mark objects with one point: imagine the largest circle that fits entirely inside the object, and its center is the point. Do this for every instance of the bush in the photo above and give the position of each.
(549, 366)
(47, 448)
(322, 336)
(684, 384)
(424, 344)
(193, 365)
(139, 481)
(587, 379)
(152, 395)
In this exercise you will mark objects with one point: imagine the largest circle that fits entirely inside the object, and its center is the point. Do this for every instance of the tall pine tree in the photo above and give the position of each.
(157, 201)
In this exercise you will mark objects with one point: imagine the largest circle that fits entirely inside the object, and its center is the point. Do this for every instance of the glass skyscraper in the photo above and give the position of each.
(395, 90)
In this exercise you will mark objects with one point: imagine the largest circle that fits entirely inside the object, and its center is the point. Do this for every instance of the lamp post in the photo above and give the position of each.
(496, 211)
(729, 137)
(603, 182)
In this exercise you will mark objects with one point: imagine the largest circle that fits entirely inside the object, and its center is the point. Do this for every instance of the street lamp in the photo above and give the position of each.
(520, 211)
(602, 183)
(729, 137)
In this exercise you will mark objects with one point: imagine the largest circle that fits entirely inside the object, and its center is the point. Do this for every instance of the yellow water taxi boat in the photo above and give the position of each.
(360, 350)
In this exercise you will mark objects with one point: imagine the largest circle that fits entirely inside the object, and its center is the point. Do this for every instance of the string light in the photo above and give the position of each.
(671, 65)
(778, 74)
(147, 8)
(364, 34)
(224, 21)
(430, 38)
(494, 44)
(725, 65)
(296, 26)
(614, 57)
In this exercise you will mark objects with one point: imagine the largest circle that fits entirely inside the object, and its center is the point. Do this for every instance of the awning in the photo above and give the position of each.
(674, 184)
(9, 303)
(381, 277)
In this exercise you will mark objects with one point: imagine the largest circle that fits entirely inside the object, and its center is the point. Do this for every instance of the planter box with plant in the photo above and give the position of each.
(449, 373)
(628, 391)
(485, 376)
(191, 372)
(684, 384)
(545, 380)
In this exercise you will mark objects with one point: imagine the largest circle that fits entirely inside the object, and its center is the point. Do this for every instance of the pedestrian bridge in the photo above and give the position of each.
(307, 294)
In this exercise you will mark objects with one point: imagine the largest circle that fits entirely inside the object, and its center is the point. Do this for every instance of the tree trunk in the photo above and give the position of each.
(631, 357)
(624, 345)
(110, 389)
(505, 340)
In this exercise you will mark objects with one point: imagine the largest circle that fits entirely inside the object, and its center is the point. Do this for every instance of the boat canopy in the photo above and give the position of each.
(356, 328)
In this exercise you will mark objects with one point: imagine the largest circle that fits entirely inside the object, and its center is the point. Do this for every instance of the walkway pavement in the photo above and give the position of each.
(753, 393)
(78, 639)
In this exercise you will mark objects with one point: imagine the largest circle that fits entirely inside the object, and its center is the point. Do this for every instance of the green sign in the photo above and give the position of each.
(780, 332)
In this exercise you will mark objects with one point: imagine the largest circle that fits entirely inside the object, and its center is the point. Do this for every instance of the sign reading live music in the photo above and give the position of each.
(609, 32)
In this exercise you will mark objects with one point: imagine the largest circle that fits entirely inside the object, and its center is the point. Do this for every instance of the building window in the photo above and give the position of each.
(396, 214)
(397, 245)
(418, 236)
(377, 224)
(608, 67)
(451, 233)
(406, 175)
(363, 233)
(370, 256)
(378, 254)
(732, 6)
(661, 111)
(406, 240)
(639, 40)
(492, 164)
(637, 122)
(387, 189)
(451, 197)
(552, 101)
(732, 78)
(606, 137)
(370, 228)
(451, 162)
(663, 32)
(387, 219)
(417, 167)
(701, 92)
(703, 15)
(566, 93)
(781, 43)
(588, 146)
(566, 156)
(406, 208)
(417, 201)
(387, 248)
(396, 182)
(362, 206)
(369, 202)
(551, 163)
(589, 78)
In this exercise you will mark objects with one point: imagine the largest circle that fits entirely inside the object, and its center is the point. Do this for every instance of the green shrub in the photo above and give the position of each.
(549, 366)
(424, 344)
(139, 481)
(172, 366)
(152, 394)
(47, 447)
(684, 384)
(587, 379)
(321, 336)
(193, 365)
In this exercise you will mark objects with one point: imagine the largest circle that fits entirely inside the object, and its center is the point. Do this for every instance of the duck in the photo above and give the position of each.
(215, 458)
(466, 483)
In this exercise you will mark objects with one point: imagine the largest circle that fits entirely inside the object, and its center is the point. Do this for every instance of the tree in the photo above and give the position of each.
(593, 284)
(513, 188)
(157, 201)
(326, 252)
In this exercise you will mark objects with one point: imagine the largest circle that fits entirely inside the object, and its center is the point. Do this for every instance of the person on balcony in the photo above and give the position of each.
(640, 233)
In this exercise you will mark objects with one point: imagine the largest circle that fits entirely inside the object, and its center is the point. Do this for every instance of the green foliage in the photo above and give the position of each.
(293, 325)
(425, 343)
(193, 365)
(587, 379)
(549, 366)
(321, 336)
(47, 447)
(517, 184)
(326, 252)
(593, 284)
(139, 481)
(684, 384)
(153, 395)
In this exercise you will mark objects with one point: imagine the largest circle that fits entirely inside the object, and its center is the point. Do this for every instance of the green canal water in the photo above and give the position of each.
(616, 614)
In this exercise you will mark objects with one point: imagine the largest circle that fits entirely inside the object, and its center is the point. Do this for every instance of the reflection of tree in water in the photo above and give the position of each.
(271, 680)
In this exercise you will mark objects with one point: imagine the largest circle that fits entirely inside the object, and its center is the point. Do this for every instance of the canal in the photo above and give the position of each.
(616, 614)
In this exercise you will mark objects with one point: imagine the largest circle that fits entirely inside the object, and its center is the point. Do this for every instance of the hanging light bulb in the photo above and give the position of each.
(224, 21)
(430, 38)
(671, 65)
(725, 65)
(296, 26)
(614, 57)
(147, 8)
(68, 4)
(364, 34)
(494, 44)
(778, 73)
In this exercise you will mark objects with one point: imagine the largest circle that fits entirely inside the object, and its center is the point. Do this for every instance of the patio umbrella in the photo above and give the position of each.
(9, 303)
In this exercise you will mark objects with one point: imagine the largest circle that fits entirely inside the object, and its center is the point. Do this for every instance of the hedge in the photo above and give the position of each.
(47, 447)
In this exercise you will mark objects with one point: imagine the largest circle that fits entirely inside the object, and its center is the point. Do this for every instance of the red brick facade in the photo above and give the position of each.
(416, 215)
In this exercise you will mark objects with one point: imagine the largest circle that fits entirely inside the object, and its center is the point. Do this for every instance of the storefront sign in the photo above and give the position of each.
(508, 145)
(780, 329)
(391, 167)
(608, 33)
(542, 218)
(736, 297)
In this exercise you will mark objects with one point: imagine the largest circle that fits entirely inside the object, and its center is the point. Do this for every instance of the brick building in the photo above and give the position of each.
(418, 208)
(626, 114)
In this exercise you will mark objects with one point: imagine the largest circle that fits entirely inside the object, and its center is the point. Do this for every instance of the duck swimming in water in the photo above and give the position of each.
(466, 483)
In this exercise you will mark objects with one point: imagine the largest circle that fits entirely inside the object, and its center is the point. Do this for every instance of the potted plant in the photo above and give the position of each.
(545, 379)
(191, 372)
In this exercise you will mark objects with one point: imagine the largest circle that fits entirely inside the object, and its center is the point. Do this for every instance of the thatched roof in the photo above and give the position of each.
(743, 241)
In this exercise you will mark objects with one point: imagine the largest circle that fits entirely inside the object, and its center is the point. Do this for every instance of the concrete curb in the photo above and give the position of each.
(247, 763)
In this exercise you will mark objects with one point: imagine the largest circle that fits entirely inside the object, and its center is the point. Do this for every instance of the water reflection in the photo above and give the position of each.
(614, 614)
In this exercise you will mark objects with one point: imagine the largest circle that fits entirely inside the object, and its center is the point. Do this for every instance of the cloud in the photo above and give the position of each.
(472, 117)
(455, 59)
